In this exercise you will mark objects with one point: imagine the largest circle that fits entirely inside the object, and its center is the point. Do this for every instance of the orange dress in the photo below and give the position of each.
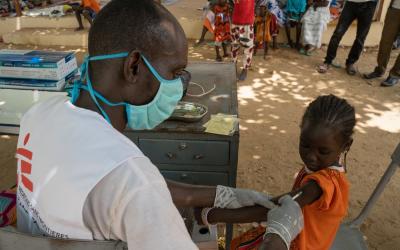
(222, 31)
(322, 218)
(93, 4)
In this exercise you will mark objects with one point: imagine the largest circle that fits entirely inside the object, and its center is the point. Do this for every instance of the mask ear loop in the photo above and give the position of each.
(202, 89)
(86, 76)
(91, 92)
(75, 90)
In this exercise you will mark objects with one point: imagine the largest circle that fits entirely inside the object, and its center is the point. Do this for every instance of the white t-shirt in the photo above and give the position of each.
(88, 181)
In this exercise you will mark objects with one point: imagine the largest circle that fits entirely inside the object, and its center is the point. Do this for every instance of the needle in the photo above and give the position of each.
(297, 195)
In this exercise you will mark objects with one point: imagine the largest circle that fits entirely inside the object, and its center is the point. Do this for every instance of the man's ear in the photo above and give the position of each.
(131, 66)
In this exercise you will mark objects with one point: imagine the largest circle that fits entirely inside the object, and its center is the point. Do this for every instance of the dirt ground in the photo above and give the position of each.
(271, 102)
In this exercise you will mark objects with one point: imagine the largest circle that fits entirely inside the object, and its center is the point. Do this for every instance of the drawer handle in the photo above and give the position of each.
(183, 146)
(198, 157)
(171, 155)
(184, 176)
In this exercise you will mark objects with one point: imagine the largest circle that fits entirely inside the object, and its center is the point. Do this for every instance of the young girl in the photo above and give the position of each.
(314, 23)
(222, 28)
(321, 185)
(326, 137)
(266, 28)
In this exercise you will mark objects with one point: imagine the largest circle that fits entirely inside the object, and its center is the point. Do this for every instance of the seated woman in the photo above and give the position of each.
(314, 24)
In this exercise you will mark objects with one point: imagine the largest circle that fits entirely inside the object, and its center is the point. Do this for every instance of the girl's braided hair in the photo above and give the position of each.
(333, 112)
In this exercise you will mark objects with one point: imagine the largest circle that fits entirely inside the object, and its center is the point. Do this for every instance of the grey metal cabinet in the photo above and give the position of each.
(183, 151)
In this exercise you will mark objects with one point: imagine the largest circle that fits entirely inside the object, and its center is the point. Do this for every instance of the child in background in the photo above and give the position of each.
(222, 33)
(294, 11)
(266, 27)
(242, 31)
(326, 137)
(314, 23)
(208, 21)
(87, 8)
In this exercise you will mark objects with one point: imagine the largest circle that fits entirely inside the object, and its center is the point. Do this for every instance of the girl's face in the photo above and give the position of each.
(320, 147)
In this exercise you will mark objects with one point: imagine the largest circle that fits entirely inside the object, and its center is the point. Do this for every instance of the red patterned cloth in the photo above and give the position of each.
(250, 240)
(8, 207)
(243, 35)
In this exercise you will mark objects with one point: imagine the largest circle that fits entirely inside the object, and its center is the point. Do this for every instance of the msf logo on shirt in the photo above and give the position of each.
(25, 164)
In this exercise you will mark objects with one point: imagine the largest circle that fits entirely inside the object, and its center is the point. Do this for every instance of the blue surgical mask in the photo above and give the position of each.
(139, 117)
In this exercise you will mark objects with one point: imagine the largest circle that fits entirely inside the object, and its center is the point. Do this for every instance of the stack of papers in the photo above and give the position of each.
(222, 124)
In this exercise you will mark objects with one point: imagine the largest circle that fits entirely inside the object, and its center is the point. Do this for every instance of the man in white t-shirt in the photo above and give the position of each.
(390, 33)
(362, 11)
(79, 177)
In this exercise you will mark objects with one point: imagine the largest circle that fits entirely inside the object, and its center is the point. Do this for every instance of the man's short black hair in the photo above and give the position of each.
(125, 25)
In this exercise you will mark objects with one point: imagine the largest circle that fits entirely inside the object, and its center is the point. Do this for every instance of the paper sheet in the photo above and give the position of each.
(222, 124)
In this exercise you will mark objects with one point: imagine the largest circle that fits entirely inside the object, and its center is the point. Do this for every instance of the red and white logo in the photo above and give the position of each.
(24, 156)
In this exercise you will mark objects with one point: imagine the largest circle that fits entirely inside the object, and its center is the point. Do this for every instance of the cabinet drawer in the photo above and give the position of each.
(197, 178)
(186, 151)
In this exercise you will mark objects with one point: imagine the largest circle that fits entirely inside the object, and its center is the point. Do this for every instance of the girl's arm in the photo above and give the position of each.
(185, 195)
(310, 192)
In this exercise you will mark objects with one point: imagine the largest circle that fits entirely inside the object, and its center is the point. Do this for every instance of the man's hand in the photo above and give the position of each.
(285, 220)
(232, 198)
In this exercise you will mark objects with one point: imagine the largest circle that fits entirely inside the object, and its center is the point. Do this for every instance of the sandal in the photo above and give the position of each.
(322, 69)
(306, 52)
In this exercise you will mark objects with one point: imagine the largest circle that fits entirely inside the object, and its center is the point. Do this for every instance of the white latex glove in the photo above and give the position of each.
(285, 220)
(227, 197)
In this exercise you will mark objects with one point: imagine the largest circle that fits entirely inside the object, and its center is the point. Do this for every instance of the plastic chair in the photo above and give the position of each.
(349, 236)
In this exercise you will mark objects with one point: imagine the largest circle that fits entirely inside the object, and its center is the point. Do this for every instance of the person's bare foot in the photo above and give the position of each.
(218, 59)
(79, 28)
(243, 75)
